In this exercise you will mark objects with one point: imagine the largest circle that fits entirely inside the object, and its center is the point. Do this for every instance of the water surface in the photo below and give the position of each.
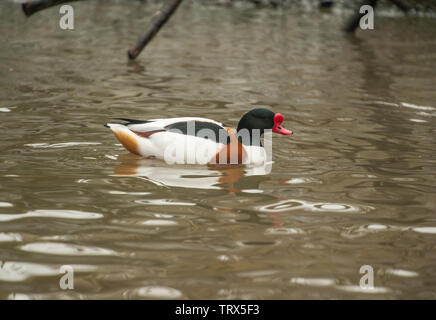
(354, 185)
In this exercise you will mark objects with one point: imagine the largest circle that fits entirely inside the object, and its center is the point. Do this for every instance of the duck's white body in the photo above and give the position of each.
(159, 138)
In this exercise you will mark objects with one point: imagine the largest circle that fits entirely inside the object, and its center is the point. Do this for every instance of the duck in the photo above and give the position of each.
(197, 140)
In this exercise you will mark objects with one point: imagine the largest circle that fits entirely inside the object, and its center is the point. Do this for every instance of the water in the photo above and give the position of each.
(354, 185)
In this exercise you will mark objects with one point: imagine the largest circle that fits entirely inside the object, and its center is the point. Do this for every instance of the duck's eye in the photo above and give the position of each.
(279, 127)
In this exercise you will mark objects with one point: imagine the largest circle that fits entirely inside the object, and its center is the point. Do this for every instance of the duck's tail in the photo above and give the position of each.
(127, 138)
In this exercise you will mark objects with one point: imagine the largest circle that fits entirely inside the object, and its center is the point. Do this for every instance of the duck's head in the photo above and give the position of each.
(262, 119)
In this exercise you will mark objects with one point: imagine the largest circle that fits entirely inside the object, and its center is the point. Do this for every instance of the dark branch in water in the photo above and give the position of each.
(31, 7)
(354, 21)
(160, 19)
(402, 4)
(326, 4)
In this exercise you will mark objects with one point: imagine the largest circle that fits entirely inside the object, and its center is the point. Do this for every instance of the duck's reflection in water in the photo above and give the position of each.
(224, 177)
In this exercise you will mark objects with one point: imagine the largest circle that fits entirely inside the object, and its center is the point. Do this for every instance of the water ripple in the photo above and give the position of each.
(6, 205)
(164, 202)
(358, 289)
(154, 292)
(295, 204)
(283, 231)
(314, 282)
(401, 273)
(428, 230)
(60, 145)
(302, 180)
(10, 237)
(159, 223)
(14, 271)
(67, 249)
(64, 214)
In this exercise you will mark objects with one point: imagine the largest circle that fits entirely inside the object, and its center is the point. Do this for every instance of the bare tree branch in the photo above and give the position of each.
(31, 7)
(160, 19)
(402, 4)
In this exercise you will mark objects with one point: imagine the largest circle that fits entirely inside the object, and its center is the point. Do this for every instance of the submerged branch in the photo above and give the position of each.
(402, 4)
(30, 7)
(160, 19)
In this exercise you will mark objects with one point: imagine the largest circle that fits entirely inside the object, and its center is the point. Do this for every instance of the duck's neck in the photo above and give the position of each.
(249, 138)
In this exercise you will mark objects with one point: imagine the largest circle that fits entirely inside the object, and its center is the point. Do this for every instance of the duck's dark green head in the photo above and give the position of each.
(263, 119)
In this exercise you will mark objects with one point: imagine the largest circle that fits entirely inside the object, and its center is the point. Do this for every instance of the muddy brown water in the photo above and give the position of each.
(354, 185)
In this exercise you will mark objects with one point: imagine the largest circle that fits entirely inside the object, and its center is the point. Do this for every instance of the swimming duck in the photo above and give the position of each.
(195, 140)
